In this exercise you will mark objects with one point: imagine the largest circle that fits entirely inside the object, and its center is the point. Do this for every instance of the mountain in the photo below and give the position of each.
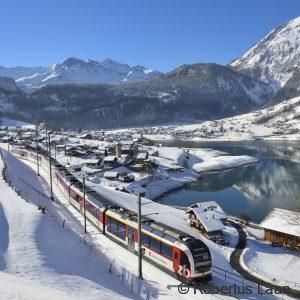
(19, 72)
(204, 83)
(8, 84)
(276, 58)
(75, 70)
(190, 92)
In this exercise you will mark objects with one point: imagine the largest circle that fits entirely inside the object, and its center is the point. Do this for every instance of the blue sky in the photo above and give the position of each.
(160, 34)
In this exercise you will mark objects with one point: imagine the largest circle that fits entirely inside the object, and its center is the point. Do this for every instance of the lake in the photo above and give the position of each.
(251, 190)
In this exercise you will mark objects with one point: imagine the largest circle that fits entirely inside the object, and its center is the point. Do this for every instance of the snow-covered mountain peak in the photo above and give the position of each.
(76, 70)
(275, 58)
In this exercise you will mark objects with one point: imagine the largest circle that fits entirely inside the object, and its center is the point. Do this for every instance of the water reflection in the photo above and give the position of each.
(253, 190)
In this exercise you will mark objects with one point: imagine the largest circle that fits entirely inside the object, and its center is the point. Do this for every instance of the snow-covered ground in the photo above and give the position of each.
(277, 122)
(13, 123)
(277, 265)
(36, 248)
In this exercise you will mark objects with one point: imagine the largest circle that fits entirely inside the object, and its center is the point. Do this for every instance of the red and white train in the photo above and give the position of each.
(173, 251)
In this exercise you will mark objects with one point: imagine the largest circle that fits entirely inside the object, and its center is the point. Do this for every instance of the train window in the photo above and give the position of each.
(169, 238)
(166, 250)
(116, 228)
(145, 240)
(121, 231)
(154, 245)
(112, 226)
(184, 260)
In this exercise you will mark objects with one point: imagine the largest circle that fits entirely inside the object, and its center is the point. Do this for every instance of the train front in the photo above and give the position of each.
(195, 263)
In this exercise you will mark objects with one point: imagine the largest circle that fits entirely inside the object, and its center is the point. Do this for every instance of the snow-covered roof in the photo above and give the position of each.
(109, 158)
(208, 219)
(210, 206)
(165, 214)
(142, 155)
(112, 174)
(282, 220)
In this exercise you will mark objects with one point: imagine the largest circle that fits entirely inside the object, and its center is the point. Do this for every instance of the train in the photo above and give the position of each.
(174, 252)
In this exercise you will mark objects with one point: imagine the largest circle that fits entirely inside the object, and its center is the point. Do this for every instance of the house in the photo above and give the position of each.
(141, 157)
(93, 163)
(86, 136)
(211, 206)
(111, 175)
(283, 226)
(207, 221)
(137, 167)
(110, 161)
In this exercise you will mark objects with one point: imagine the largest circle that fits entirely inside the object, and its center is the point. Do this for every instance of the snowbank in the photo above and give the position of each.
(223, 163)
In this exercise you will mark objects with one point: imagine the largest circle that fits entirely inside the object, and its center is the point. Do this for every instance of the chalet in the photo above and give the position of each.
(137, 167)
(207, 222)
(86, 136)
(282, 226)
(110, 161)
(110, 175)
(211, 206)
(93, 163)
(142, 156)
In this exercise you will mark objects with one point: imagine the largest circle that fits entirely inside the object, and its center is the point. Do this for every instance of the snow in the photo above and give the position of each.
(277, 265)
(276, 122)
(282, 220)
(13, 123)
(37, 245)
(275, 58)
(75, 70)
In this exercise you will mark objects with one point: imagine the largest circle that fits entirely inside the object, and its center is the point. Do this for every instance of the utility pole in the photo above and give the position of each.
(37, 151)
(140, 253)
(50, 166)
(84, 202)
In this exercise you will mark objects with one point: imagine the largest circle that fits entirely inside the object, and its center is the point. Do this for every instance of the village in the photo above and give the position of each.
(124, 163)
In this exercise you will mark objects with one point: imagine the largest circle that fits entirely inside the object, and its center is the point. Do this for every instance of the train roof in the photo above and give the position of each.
(164, 217)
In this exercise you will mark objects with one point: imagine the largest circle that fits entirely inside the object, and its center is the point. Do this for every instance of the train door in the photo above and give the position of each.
(131, 247)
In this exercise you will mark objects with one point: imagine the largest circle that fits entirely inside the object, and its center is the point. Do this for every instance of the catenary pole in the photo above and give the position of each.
(84, 203)
(50, 166)
(140, 274)
(37, 151)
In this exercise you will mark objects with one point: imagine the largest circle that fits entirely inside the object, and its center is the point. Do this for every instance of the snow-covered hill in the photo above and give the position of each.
(276, 122)
(276, 58)
(75, 70)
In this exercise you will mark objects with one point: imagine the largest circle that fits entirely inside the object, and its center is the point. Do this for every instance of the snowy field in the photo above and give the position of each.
(278, 265)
